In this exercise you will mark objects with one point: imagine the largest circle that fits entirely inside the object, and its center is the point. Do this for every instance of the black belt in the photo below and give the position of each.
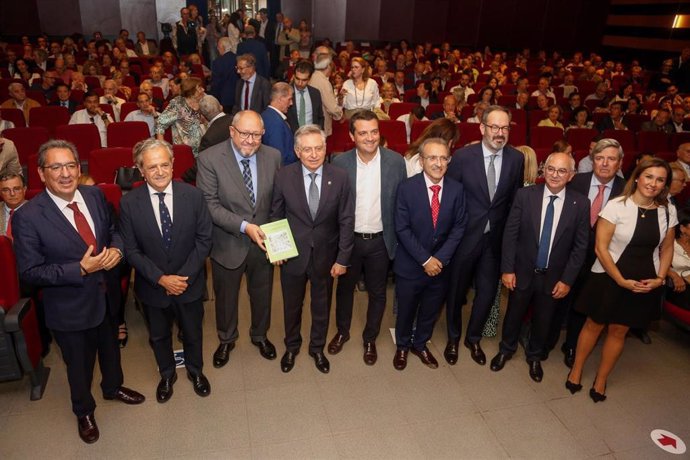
(368, 236)
(540, 271)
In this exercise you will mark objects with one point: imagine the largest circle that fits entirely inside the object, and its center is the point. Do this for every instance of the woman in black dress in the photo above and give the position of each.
(624, 288)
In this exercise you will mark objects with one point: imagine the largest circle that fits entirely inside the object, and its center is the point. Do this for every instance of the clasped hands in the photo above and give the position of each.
(642, 286)
(105, 260)
(559, 291)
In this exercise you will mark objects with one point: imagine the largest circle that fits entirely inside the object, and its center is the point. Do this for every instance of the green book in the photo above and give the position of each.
(279, 242)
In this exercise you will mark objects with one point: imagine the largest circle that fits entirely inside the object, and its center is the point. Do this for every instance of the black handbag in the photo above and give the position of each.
(126, 177)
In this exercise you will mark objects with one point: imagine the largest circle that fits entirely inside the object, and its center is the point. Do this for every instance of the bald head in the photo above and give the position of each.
(683, 153)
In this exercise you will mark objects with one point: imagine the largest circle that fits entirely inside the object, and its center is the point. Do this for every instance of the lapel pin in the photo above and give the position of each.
(329, 182)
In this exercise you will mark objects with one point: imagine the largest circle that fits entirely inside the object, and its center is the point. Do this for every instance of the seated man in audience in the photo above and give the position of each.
(147, 88)
(614, 120)
(146, 112)
(159, 80)
(399, 81)
(122, 46)
(677, 118)
(463, 90)
(110, 97)
(478, 113)
(145, 47)
(416, 114)
(522, 101)
(12, 192)
(449, 110)
(568, 85)
(544, 88)
(9, 157)
(92, 113)
(599, 95)
(63, 98)
(522, 85)
(424, 96)
(660, 123)
(46, 85)
(18, 100)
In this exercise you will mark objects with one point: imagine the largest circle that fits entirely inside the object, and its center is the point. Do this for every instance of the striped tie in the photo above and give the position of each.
(247, 176)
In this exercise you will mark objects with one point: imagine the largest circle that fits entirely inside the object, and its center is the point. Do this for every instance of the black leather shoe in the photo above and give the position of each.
(476, 352)
(88, 430)
(451, 353)
(266, 348)
(321, 361)
(127, 396)
(572, 387)
(200, 383)
(336, 343)
(499, 361)
(536, 373)
(400, 359)
(426, 357)
(596, 396)
(165, 388)
(287, 362)
(568, 356)
(370, 354)
(222, 354)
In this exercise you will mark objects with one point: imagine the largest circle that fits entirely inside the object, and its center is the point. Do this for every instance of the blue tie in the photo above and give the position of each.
(545, 240)
(166, 220)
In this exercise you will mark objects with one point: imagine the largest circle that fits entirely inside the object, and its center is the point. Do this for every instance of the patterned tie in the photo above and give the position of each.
(83, 227)
(8, 232)
(166, 220)
(302, 110)
(313, 196)
(435, 204)
(596, 205)
(246, 95)
(247, 176)
(545, 240)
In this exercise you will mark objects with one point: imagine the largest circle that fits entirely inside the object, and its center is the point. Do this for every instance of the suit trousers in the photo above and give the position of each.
(79, 350)
(226, 284)
(419, 298)
(538, 295)
(189, 317)
(372, 257)
(294, 288)
(574, 320)
(481, 268)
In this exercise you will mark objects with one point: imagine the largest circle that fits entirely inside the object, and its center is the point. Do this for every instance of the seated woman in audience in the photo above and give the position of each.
(561, 145)
(125, 90)
(92, 68)
(493, 83)
(71, 62)
(337, 81)
(635, 106)
(183, 115)
(677, 291)
(63, 72)
(625, 92)
(443, 128)
(359, 92)
(478, 112)
(195, 59)
(580, 119)
(24, 73)
(634, 248)
(107, 66)
(543, 103)
(78, 82)
(435, 88)
(486, 95)
(553, 119)
(388, 97)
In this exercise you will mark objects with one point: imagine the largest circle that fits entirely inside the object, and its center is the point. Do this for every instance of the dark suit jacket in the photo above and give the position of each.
(418, 100)
(218, 132)
(329, 237)
(258, 49)
(414, 226)
(145, 251)
(522, 233)
(278, 135)
(49, 250)
(607, 123)
(72, 106)
(221, 180)
(316, 107)
(224, 79)
(153, 48)
(651, 126)
(467, 168)
(258, 100)
(393, 172)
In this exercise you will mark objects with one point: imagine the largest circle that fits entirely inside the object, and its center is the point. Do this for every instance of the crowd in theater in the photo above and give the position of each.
(552, 184)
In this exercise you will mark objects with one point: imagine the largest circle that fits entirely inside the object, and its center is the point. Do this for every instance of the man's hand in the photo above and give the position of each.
(112, 258)
(91, 264)
(509, 280)
(174, 284)
(433, 266)
(337, 270)
(254, 232)
(560, 290)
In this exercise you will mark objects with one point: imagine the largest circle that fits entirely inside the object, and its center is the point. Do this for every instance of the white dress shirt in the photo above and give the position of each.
(82, 117)
(368, 197)
(138, 115)
(69, 214)
(155, 202)
(557, 209)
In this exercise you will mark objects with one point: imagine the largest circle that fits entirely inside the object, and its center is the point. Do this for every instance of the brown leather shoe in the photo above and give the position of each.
(336, 344)
(370, 355)
(127, 396)
(451, 352)
(400, 359)
(88, 430)
(426, 357)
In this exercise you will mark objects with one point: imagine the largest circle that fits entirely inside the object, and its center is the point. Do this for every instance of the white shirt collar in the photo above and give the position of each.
(153, 191)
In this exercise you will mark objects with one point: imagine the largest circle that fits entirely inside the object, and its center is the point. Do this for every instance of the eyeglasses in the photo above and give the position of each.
(240, 68)
(57, 167)
(244, 135)
(493, 129)
(310, 150)
(559, 172)
(435, 159)
(7, 190)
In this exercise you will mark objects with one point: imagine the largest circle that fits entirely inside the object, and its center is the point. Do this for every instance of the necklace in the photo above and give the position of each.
(644, 208)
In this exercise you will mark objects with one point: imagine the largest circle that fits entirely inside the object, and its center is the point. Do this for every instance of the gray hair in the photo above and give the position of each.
(280, 89)
(434, 140)
(238, 116)
(248, 58)
(224, 42)
(494, 108)
(55, 144)
(604, 144)
(571, 160)
(307, 130)
(8, 173)
(14, 85)
(323, 58)
(144, 146)
(209, 107)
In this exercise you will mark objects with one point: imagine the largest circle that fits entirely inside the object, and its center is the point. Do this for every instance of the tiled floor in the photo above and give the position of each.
(356, 411)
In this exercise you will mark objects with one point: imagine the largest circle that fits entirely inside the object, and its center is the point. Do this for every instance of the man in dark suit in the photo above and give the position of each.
(307, 106)
(236, 177)
(599, 186)
(316, 200)
(166, 228)
(67, 245)
(449, 110)
(615, 119)
(219, 122)
(544, 246)
(429, 222)
(490, 172)
(375, 174)
(277, 131)
(224, 78)
(424, 96)
(63, 94)
(255, 47)
(252, 92)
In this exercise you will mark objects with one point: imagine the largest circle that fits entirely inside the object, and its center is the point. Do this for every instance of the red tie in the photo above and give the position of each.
(83, 227)
(246, 95)
(8, 233)
(435, 204)
(596, 205)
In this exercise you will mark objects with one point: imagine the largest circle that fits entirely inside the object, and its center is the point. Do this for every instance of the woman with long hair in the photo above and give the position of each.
(443, 128)
(359, 92)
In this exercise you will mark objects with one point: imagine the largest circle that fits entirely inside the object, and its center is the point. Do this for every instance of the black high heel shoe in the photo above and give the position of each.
(595, 395)
(122, 335)
(572, 387)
